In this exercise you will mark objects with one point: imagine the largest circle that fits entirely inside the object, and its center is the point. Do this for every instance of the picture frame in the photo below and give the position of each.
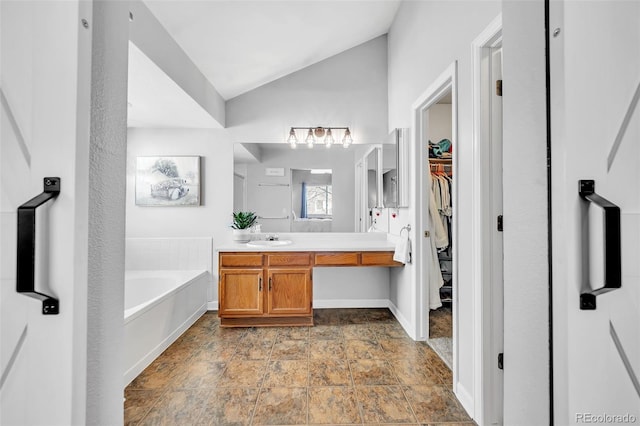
(168, 181)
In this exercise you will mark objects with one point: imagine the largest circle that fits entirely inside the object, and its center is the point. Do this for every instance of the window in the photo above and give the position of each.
(319, 201)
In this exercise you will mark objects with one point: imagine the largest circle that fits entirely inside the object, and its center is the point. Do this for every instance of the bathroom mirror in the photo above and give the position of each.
(389, 176)
(265, 182)
(395, 170)
(372, 177)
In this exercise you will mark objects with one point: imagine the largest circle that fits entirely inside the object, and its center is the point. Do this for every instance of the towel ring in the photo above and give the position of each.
(407, 228)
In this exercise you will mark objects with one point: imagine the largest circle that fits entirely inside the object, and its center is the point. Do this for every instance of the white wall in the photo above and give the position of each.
(106, 213)
(425, 38)
(526, 284)
(349, 89)
(213, 217)
(351, 287)
(439, 120)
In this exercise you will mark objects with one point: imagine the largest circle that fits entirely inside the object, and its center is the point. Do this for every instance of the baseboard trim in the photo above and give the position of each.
(464, 397)
(402, 320)
(332, 304)
(350, 303)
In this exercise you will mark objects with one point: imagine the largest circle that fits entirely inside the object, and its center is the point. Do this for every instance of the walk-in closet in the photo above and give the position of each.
(441, 181)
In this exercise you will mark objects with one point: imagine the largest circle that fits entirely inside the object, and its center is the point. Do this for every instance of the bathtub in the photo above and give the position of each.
(158, 307)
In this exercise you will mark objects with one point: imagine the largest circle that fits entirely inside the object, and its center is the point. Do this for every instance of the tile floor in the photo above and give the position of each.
(441, 333)
(440, 323)
(355, 366)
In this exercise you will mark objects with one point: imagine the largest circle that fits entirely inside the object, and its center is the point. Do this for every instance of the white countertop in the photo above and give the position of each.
(320, 241)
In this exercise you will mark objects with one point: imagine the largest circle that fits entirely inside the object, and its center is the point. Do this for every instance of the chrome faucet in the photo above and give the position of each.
(272, 237)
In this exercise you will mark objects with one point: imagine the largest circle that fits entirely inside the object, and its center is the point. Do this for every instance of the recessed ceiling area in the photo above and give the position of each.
(240, 45)
(155, 100)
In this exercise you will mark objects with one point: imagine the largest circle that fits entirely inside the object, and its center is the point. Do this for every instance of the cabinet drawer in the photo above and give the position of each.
(288, 259)
(237, 259)
(378, 258)
(337, 259)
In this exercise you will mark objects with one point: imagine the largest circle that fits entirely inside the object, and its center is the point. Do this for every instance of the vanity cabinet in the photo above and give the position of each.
(276, 288)
(262, 289)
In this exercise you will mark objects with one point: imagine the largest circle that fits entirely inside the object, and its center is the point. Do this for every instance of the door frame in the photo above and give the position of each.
(485, 296)
(447, 81)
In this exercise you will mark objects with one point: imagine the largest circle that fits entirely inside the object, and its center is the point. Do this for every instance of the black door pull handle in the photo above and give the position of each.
(25, 277)
(612, 251)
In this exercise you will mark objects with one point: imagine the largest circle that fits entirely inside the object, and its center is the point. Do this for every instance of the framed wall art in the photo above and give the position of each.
(168, 181)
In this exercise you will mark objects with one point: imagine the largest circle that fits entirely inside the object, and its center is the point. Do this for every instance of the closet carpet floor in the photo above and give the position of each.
(355, 366)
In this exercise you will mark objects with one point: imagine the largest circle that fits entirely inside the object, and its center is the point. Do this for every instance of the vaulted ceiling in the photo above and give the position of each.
(240, 44)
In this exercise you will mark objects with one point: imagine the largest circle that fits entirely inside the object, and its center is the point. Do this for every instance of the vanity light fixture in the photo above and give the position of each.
(315, 136)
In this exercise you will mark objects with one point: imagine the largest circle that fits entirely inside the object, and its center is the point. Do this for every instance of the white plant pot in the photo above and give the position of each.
(241, 235)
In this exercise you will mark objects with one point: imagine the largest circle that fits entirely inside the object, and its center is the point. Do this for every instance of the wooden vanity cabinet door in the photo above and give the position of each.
(289, 291)
(241, 292)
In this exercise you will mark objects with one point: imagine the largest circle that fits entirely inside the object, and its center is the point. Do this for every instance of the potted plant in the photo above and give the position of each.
(242, 222)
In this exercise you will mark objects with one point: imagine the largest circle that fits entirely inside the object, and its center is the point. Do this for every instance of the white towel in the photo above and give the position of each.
(403, 250)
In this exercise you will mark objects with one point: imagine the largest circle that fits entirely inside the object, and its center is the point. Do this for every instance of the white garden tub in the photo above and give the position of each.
(158, 307)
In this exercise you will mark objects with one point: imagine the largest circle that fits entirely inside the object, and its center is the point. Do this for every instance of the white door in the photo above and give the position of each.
(497, 252)
(45, 76)
(595, 123)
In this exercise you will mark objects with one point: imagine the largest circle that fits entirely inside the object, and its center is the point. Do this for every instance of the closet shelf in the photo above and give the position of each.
(440, 160)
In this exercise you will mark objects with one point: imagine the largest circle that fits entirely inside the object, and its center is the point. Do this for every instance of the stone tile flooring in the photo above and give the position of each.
(355, 366)
(440, 323)
(441, 333)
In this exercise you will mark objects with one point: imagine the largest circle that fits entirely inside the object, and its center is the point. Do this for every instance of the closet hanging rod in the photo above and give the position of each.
(273, 184)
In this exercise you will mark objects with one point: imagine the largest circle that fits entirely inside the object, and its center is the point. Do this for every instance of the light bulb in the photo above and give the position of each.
(310, 140)
(329, 140)
(292, 139)
(347, 140)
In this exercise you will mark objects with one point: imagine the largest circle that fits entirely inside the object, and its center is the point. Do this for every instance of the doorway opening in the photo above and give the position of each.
(439, 134)
(435, 124)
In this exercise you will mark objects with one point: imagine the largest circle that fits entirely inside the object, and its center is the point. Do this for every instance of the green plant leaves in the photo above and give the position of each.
(243, 220)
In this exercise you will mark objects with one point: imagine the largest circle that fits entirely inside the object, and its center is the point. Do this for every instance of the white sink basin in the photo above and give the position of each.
(264, 243)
